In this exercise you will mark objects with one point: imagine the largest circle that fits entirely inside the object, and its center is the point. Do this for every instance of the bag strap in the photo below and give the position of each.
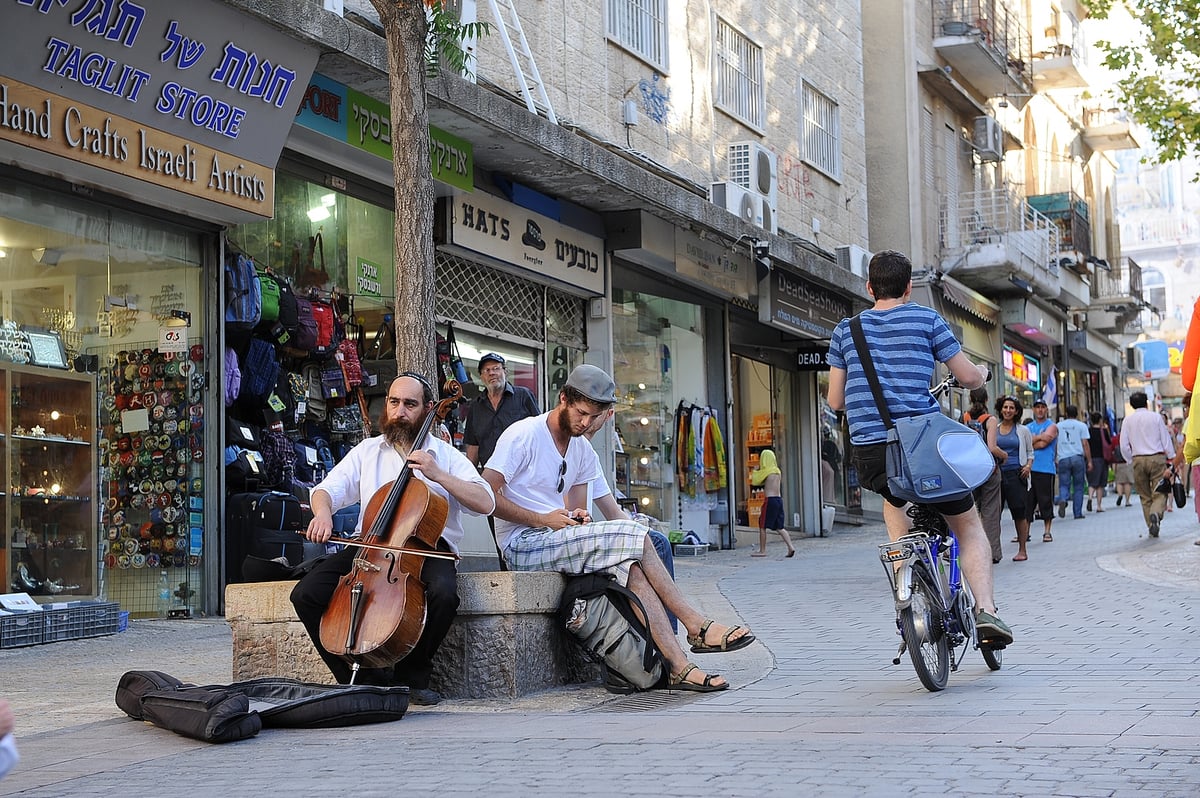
(868, 367)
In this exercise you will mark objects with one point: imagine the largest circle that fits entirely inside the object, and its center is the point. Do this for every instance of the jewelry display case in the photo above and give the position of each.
(47, 442)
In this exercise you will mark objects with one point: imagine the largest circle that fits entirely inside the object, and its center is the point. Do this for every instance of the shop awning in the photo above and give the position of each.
(969, 300)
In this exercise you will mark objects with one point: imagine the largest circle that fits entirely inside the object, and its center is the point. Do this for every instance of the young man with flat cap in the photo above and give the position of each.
(495, 409)
(541, 467)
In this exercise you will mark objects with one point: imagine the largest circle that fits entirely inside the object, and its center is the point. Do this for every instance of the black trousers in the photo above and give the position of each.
(312, 594)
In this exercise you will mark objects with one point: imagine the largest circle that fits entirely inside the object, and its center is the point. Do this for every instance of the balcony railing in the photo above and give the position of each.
(1120, 285)
(996, 241)
(1108, 129)
(1070, 212)
(986, 41)
(1061, 61)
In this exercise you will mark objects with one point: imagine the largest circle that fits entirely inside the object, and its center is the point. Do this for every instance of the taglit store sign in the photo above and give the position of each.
(194, 97)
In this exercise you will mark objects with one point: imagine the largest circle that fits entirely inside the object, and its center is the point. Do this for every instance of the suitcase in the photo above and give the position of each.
(266, 525)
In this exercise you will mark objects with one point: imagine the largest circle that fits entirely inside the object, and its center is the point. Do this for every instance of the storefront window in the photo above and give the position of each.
(657, 343)
(833, 449)
(103, 437)
(323, 239)
(520, 364)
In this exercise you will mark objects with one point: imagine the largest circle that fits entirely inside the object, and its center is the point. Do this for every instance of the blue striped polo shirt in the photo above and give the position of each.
(905, 342)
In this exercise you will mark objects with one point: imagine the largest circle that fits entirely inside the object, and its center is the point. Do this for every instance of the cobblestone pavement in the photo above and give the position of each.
(1097, 696)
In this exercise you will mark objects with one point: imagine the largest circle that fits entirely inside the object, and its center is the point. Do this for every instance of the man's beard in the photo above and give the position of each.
(564, 424)
(399, 432)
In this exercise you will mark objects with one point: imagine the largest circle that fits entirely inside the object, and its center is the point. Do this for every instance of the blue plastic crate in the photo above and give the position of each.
(93, 618)
(21, 629)
(56, 625)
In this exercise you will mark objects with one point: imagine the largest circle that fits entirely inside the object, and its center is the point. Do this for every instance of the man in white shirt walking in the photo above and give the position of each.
(1146, 442)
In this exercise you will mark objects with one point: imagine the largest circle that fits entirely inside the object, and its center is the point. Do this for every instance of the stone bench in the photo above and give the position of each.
(503, 644)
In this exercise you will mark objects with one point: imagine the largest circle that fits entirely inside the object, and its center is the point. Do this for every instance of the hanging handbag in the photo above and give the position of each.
(333, 383)
(930, 457)
(1179, 493)
(346, 419)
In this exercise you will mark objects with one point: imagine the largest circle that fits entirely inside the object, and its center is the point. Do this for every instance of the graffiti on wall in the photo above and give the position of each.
(656, 98)
(795, 178)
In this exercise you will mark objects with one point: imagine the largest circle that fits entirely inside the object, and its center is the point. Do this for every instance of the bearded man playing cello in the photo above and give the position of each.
(367, 467)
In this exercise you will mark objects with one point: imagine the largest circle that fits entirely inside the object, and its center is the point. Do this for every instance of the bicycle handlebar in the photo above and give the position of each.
(952, 382)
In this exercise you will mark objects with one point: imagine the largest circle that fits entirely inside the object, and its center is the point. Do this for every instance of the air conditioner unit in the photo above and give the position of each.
(854, 259)
(745, 204)
(770, 214)
(988, 139)
(753, 166)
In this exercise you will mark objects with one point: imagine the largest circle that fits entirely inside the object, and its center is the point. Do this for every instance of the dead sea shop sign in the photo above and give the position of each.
(792, 303)
(195, 97)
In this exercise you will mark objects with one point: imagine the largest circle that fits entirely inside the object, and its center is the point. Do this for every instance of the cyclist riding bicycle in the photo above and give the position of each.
(906, 340)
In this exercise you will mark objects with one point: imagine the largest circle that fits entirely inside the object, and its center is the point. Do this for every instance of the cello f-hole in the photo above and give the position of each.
(393, 561)
(355, 605)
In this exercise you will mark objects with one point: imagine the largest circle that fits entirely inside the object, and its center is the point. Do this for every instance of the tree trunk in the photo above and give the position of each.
(406, 27)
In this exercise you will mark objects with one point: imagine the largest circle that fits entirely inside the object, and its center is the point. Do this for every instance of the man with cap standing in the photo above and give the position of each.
(541, 467)
(1045, 465)
(495, 409)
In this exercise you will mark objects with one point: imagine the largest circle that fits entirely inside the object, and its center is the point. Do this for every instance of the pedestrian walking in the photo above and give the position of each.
(1100, 443)
(769, 478)
(1146, 442)
(1074, 461)
(987, 495)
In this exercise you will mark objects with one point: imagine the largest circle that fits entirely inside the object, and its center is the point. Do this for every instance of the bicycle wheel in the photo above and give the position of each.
(994, 657)
(925, 636)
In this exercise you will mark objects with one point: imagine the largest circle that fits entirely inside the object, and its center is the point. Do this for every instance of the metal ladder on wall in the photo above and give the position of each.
(533, 91)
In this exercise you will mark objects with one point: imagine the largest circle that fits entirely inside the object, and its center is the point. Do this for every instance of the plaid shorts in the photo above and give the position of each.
(603, 546)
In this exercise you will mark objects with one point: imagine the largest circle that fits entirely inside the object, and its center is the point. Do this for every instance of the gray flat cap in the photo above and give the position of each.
(594, 383)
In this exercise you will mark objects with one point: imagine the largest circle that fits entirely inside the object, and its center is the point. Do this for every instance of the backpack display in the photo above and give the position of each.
(287, 308)
(233, 376)
(243, 293)
(599, 617)
(306, 326)
(279, 458)
(324, 316)
(269, 288)
(260, 371)
(308, 469)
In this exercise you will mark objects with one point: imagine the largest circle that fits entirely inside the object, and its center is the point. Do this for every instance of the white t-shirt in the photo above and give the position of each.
(528, 459)
(8, 754)
(374, 463)
(1071, 434)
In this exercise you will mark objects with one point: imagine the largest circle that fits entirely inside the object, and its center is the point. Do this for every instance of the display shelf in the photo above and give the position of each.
(47, 447)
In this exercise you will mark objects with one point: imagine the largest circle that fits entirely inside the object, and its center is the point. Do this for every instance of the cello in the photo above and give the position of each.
(377, 611)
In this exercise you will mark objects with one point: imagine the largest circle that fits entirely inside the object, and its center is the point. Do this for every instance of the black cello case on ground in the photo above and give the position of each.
(223, 713)
(265, 526)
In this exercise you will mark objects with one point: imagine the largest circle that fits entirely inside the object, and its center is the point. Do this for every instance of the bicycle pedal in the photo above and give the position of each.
(994, 646)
